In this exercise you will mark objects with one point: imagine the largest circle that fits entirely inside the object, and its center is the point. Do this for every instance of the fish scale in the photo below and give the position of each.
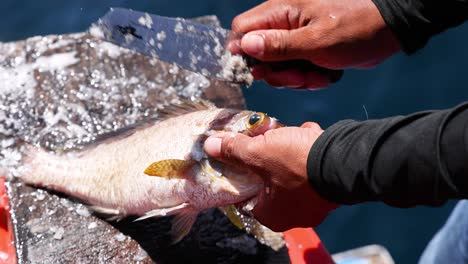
(111, 175)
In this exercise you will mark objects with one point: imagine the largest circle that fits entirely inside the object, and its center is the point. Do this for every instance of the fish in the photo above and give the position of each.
(154, 169)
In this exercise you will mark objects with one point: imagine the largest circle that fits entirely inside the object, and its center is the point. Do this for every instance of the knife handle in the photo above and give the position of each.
(333, 75)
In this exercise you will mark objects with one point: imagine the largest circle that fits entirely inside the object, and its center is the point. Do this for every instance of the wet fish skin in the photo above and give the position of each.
(110, 176)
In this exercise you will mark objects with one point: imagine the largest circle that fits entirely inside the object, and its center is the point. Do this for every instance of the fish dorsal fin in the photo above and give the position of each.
(121, 133)
(181, 225)
(170, 168)
(185, 106)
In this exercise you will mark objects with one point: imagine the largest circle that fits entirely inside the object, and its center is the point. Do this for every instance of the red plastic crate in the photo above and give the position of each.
(7, 247)
(305, 247)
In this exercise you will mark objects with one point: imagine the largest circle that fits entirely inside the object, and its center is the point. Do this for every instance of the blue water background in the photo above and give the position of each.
(434, 78)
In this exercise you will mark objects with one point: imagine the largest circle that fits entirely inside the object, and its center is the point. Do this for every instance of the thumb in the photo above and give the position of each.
(273, 31)
(277, 44)
(232, 148)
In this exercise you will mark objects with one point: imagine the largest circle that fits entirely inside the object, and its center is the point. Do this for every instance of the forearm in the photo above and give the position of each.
(414, 22)
(420, 159)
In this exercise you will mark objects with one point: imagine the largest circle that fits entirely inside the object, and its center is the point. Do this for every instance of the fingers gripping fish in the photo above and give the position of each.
(114, 174)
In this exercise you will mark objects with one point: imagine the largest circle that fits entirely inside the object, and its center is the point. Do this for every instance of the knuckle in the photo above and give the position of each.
(238, 149)
(315, 126)
(250, 150)
(311, 125)
(236, 24)
(254, 146)
(255, 152)
(228, 148)
(279, 43)
(314, 40)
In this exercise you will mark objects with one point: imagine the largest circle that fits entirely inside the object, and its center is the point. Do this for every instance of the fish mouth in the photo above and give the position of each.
(274, 124)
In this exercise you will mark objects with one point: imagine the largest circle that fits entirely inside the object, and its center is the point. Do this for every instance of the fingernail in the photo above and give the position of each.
(213, 146)
(253, 44)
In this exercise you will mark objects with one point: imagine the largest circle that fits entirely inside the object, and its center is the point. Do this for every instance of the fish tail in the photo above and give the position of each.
(71, 175)
(41, 168)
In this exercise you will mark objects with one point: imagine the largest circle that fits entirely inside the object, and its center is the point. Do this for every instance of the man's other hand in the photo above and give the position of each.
(333, 34)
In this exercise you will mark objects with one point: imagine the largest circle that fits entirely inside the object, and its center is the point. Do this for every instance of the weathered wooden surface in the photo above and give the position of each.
(94, 89)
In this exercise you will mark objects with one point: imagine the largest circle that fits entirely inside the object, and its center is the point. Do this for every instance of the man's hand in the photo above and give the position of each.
(333, 34)
(279, 157)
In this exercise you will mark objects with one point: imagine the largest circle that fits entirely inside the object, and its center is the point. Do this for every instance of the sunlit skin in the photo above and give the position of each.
(334, 34)
(279, 156)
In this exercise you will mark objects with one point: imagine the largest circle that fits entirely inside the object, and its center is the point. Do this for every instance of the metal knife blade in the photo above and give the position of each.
(192, 46)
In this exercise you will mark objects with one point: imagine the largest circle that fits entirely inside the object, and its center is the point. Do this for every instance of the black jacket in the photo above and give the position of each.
(415, 21)
(420, 159)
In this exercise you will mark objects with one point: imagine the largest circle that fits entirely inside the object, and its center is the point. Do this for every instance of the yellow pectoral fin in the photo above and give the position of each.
(170, 168)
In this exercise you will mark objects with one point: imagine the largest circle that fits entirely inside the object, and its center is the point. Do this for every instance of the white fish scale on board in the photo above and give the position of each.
(99, 95)
(112, 102)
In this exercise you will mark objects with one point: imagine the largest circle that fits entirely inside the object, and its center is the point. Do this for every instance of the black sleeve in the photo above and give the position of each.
(420, 159)
(414, 21)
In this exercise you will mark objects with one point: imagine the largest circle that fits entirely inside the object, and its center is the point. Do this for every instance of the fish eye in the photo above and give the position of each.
(254, 119)
(257, 123)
